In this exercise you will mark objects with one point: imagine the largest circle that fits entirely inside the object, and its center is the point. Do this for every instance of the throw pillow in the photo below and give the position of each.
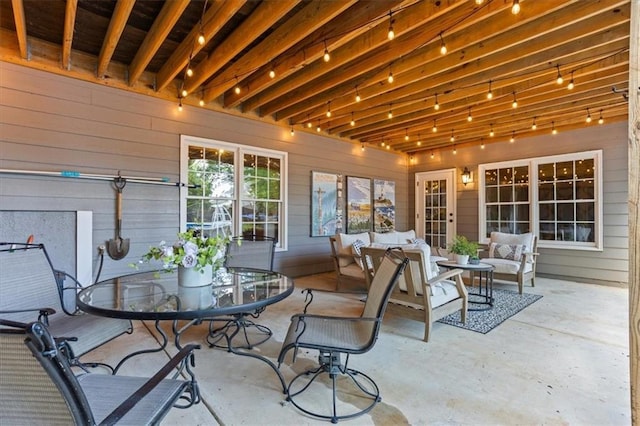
(506, 251)
(417, 241)
(357, 253)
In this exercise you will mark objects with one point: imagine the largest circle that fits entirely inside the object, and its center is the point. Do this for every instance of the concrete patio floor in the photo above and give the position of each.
(562, 361)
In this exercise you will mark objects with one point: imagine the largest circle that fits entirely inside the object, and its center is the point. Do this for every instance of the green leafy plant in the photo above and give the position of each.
(461, 245)
(189, 251)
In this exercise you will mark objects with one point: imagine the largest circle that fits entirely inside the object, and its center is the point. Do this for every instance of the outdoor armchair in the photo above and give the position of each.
(32, 289)
(38, 386)
(513, 256)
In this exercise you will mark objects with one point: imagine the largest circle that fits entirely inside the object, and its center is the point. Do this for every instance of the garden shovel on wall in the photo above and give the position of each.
(118, 247)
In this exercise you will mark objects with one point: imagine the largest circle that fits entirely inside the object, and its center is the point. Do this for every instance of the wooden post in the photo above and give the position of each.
(634, 211)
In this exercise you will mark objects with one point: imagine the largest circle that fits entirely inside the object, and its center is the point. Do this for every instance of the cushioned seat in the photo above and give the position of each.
(513, 256)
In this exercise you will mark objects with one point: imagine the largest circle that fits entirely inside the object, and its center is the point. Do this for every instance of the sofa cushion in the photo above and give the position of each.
(504, 266)
(406, 236)
(417, 241)
(506, 251)
(443, 292)
(504, 238)
(344, 242)
(384, 237)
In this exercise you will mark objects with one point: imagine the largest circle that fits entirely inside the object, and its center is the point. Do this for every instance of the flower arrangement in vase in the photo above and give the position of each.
(191, 254)
(463, 249)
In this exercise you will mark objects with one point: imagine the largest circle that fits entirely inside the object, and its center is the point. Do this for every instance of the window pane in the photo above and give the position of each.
(585, 190)
(547, 231)
(507, 213)
(505, 176)
(274, 189)
(521, 192)
(564, 191)
(546, 172)
(491, 227)
(491, 177)
(585, 232)
(506, 194)
(586, 212)
(565, 212)
(546, 191)
(522, 212)
(492, 213)
(522, 227)
(547, 212)
(491, 195)
(564, 170)
(584, 169)
(565, 231)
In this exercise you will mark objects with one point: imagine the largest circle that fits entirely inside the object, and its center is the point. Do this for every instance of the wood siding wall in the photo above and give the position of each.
(610, 265)
(54, 123)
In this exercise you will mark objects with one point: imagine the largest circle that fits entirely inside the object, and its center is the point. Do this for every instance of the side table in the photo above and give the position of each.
(483, 296)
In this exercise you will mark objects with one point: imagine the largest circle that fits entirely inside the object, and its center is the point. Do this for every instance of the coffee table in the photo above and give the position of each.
(481, 297)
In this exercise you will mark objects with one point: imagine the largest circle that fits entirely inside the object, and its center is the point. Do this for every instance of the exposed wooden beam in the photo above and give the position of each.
(265, 15)
(313, 16)
(214, 19)
(116, 26)
(67, 38)
(362, 16)
(21, 27)
(168, 16)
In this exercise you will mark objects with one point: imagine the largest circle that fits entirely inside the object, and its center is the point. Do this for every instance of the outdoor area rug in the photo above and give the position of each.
(506, 304)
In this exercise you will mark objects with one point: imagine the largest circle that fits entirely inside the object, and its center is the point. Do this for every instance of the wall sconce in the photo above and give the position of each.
(467, 177)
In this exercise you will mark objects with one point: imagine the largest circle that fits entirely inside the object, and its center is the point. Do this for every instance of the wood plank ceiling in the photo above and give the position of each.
(332, 67)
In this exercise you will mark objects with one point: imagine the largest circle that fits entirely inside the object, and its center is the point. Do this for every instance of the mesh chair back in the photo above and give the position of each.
(253, 252)
(391, 268)
(28, 393)
(27, 282)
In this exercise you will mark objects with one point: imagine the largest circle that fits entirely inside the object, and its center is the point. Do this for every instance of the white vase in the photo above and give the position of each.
(191, 277)
(461, 259)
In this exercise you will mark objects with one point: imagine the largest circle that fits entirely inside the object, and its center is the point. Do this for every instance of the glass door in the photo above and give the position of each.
(435, 207)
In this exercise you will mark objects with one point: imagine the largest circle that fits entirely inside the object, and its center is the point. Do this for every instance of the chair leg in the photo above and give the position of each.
(331, 364)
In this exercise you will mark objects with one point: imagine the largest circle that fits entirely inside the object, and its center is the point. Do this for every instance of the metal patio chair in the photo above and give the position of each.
(333, 336)
(32, 289)
(245, 252)
(38, 386)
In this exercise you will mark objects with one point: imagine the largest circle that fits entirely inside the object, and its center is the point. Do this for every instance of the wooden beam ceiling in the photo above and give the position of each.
(272, 51)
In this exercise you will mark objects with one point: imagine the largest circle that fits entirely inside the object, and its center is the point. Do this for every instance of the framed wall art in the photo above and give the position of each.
(384, 205)
(326, 199)
(358, 205)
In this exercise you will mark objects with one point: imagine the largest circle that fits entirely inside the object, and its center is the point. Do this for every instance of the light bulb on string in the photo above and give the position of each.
(390, 114)
(443, 47)
(353, 121)
(452, 138)
(571, 85)
(553, 128)
(491, 133)
(559, 78)
(433, 155)
(406, 134)
(326, 55)
(184, 93)
(358, 98)
(588, 120)
(201, 39)
(292, 131)
(362, 146)
(515, 9)
(513, 137)
(469, 117)
(489, 93)
(390, 33)
(601, 119)
(180, 105)
(482, 145)
(514, 104)
(436, 106)
(329, 109)
(534, 125)
(237, 88)
(479, 2)
(272, 72)
(455, 151)
(390, 78)
(434, 128)
(201, 102)
(189, 72)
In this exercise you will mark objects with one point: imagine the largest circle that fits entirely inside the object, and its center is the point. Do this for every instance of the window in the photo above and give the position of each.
(561, 201)
(233, 189)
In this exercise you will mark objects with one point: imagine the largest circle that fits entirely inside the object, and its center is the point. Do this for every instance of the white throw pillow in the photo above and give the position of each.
(344, 245)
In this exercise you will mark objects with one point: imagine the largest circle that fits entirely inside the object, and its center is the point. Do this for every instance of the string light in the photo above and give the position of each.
(272, 72)
(515, 9)
(434, 128)
(292, 131)
(201, 39)
(180, 105)
(469, 117)
(419, 143)
(390, 115)
(432, 155)
(491, 131)
(601, 119)
(326, 56)
(436, 106)
(553, 128)
(452, 138)
(455, 151)
(479, 2)
(514, 104)
(353, 121)
(559, 78)
(201, 102)
(390, 78)
(318, 129)
(513, 137)
(184, 93)
(189, 72)
(358, 98)
(588, 120)
(489, 93)
(443, 47)
(237, 89)
(328, 109)
(391, 34)
(534, 125)
(362, 146)
(482, 145)
(406, 134)
(571, 85)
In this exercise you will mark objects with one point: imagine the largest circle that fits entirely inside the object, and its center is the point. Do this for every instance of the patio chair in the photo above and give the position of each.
(333, 336)
(422, 294)
(513, 256)
(37, 385)
(31, 289)
(245, 252)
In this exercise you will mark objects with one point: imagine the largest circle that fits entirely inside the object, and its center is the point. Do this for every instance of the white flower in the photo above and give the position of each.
(189, 260)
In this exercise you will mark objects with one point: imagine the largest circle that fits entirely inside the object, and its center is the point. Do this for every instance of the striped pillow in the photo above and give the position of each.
(357, 253)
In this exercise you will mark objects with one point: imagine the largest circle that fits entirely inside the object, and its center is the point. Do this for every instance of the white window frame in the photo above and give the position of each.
(534, 223)
(239, 152)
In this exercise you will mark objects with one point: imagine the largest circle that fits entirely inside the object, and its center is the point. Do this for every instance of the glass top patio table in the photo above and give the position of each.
(156, 295)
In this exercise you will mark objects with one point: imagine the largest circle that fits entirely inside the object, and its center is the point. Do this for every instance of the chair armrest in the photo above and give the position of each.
(43, 313)
(61, 277)
(149, 385)
(456, 274)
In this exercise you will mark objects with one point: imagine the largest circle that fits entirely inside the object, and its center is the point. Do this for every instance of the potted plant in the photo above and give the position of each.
(462, 248)
(195, 257)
